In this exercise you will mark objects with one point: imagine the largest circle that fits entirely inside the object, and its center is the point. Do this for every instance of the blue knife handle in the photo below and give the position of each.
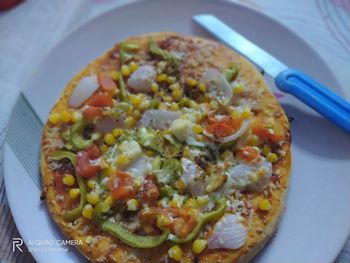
(316, 95)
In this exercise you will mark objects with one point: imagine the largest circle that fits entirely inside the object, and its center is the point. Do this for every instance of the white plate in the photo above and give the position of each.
(317, 219)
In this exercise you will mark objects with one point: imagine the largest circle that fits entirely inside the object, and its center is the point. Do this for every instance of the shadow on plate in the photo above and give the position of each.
(317, 135)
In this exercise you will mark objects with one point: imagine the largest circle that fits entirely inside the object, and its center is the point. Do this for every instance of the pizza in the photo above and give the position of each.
(167, 148)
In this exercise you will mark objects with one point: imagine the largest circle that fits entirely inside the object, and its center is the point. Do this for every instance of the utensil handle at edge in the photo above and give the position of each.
(315, 95)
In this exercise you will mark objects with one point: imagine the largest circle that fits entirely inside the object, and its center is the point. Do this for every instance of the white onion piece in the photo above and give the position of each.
(140, 168)
(193, 142)
(142, 79)
(192, 176)
(108, 124)
(218, 86)
(158, 119)
(252, 176)
(228, 233)
(83, 90)
(244, 127)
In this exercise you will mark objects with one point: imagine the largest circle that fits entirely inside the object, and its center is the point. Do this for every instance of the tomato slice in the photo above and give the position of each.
(182, 222)
(248, 154)
(91, 112)
(149, 190)
(181, 227)
(121, 186)
(106, 82)
(85, 168)
(100, 99)
(263, 132)
(224, 127)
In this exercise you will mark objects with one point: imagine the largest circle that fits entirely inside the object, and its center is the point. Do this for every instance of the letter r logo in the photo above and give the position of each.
(17, 243)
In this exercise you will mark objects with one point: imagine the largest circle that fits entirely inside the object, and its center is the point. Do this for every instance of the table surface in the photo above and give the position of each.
(39, 24)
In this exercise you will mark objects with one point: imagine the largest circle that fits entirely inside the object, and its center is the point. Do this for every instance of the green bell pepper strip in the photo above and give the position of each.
(123, 94)
(134, 240)
(119, 231)
(166, 55)
(203, 220)
(77, 138)
(231, 73)
(125, 52)
(76, 212)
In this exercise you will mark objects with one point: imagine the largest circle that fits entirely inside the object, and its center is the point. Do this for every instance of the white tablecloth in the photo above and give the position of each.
(28, 31)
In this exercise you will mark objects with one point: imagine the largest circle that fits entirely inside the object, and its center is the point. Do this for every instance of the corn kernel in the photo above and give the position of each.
(246, 114)
(76, 116)
(137, 183)
(136, 113)
(161, 77)
(202, 87)
(161, 65)
(177, 201)
(167, 99)
(92, 198)
(175, 85)
(66, 116)
(191, 203)
(171, 80)
(110, 171)
(266, 150)
(174, 203)
(115, 75)
(91, 184)
(180, 185)
(132, 204)
(162, 106)
(202, 200)
(154, 87)
(264, 204)
(130, 122)
(272, 157)
(122, 160)
(54, 118)
(175, 253)
(161, 93)
(174, 106)
(199, 245)
(88, 239)
(133, 66)
(87, 211)
(177, 94)
(74, 193)
(103, 148)
(135, 100)
(234, 115)
(198, 129)
(145, 104)
(253, 140)
(125, 71)
(238, 89)
(117, 132)
(191, 82)
(162, 221)
(68, 179)
(109, 138)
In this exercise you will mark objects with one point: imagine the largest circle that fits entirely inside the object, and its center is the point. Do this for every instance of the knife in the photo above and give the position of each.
(288, 80)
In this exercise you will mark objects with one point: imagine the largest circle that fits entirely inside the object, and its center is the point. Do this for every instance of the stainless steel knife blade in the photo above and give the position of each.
(236, 41)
